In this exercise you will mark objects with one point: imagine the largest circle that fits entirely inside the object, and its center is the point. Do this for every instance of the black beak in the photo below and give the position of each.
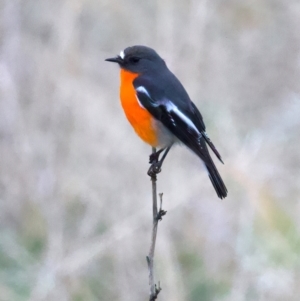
(116, 59)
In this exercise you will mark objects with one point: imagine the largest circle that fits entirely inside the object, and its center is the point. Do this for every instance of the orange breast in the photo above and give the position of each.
(139, 118)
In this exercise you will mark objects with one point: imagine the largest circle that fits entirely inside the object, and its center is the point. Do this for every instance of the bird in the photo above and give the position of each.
(161, 112)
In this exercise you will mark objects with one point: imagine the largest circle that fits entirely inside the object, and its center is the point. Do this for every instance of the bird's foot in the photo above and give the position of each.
(153, 158)
(154, 169)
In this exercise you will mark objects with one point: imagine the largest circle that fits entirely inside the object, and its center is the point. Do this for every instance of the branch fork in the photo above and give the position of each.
(157, 216)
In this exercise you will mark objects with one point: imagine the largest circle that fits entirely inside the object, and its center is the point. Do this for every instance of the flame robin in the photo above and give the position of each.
(160, 110)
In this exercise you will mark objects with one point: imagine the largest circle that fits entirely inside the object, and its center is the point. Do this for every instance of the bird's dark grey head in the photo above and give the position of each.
(138, 59)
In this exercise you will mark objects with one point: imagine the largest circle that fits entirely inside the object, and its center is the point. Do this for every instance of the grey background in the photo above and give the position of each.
(75, 211)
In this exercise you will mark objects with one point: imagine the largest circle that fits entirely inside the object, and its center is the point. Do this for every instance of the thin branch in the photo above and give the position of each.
(157, 216)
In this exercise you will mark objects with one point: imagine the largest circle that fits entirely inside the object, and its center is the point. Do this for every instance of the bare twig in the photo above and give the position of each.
(157, 216)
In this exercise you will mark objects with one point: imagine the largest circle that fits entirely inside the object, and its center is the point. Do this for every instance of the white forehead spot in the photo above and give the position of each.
(122, 54)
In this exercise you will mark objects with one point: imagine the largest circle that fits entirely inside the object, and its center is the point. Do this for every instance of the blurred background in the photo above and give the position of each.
(75, 211)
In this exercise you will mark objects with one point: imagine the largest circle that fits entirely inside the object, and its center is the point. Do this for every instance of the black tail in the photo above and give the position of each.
(216, 180)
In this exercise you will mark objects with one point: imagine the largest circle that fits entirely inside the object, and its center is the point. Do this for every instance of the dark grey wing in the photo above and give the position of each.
(198, 120)
(175, 121)
(178, 121)
(175, 98)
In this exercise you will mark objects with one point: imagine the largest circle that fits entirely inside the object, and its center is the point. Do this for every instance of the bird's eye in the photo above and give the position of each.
(134, 59)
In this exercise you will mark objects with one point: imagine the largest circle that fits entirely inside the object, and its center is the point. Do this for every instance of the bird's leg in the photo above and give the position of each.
(155, 167)
(154, 156)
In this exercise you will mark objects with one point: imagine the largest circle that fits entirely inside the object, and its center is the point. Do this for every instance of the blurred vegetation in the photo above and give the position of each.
(75, 209)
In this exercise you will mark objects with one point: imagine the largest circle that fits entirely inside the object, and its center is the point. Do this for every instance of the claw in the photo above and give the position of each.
(154, 169)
